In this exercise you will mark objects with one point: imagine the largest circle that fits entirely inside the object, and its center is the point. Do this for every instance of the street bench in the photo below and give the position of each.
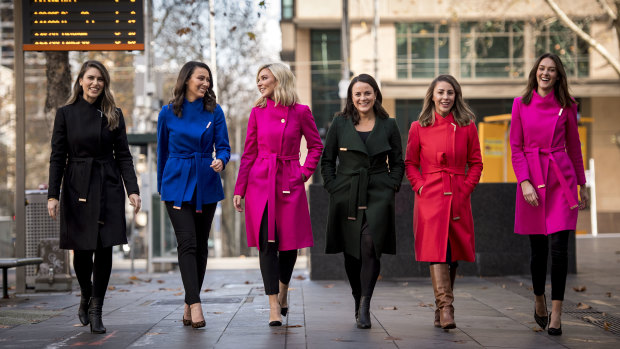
(6, 263)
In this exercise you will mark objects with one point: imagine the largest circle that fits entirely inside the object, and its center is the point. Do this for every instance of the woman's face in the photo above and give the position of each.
(363, 96)
(266, 83)
(198, 84)
(443, 97)
(546, 75)
(92, 83)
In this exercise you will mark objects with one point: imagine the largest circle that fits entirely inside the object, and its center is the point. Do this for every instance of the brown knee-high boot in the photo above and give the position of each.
(440, 276)
(437, 321)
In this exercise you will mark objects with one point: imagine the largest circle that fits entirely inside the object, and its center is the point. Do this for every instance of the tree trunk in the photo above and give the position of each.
(58, 74)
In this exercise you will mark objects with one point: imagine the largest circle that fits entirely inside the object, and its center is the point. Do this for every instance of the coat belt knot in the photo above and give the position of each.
(447, 179)
(358, 193)
(200, 175)
(537, 173)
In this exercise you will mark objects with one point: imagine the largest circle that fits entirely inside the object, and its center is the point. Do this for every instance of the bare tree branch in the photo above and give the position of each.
(608, 9)
(593, 43)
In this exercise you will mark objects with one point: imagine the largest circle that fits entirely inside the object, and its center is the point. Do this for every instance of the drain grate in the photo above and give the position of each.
(597, 318)
(208, 300)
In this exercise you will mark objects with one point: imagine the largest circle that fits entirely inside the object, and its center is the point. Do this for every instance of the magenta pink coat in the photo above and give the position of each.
(546, 151)
(270, 173)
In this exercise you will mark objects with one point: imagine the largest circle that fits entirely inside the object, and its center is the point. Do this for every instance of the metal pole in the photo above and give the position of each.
(375, 36)
(344, 38)
(592, 184)
(20, 147)
(212, 44)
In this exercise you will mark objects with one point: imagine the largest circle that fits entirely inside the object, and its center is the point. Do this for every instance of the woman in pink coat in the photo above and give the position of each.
(271, 180)
(546, 156)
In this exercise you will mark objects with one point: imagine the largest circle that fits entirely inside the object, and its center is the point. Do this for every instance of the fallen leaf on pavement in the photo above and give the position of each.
(390, 338)
(292, 326)
(421, 304)
(608, 294)
(78, 325)
(111, 288)
(606, 326)
(509, 308)
(389, 308)
(123, 290)
(246, 282)
(215, 312)
(160, 281)
(580, 288)
(152, 333)
(329, 286)
(537, 329)
(299, 277)
(583, 306)
(589, 319)
(380, 277)
(504, 286)
(133, 277)
(404, 284)
(178, 294)
(207, 290)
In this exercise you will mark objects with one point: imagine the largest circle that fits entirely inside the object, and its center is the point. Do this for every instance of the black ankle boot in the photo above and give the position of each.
(357, 297)
(363, 320)
(94, 315)
(83, 309)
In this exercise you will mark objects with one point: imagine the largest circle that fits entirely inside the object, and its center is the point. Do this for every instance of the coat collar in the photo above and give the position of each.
(440, 120)
(376, 143)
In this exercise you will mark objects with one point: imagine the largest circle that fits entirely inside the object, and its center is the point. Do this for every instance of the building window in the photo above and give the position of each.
(492, 49)
(326, 70)
(422, 50)
(288, 10)
(555, 38)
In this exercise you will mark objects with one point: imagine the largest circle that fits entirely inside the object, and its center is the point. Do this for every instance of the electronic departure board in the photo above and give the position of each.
(83, 25)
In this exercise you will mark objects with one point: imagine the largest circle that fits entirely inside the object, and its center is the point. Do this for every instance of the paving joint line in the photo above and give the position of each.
(233, 316)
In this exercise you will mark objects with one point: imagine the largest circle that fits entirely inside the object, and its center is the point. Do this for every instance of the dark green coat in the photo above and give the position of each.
(365, 180)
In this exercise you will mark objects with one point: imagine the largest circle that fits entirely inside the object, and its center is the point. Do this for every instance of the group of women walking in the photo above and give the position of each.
(362, 168)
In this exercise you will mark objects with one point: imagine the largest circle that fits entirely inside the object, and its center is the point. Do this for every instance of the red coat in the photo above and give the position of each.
(437, 157)
(270, 172)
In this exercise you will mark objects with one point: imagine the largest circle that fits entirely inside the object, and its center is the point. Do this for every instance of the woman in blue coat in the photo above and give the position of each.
(189, 130)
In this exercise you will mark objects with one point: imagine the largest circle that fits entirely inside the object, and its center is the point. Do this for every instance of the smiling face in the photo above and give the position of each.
(266, 83)
(363, 96)
(92, 84)
(546, 76)
(198, 84)
(443, 97)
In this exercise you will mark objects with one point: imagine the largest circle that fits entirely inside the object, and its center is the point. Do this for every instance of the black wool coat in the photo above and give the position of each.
(364, 180)
(92, 163)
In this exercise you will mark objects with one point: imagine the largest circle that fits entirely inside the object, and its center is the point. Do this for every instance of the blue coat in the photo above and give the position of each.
(185, 150)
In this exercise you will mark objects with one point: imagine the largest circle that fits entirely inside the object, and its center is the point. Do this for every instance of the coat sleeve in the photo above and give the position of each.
(250, 153)
(123, 157)
(313, 141)
(412, 158)
(162, 146)
(58, 157)
(573, 144)
(395, 156)
(221, 143)
(474, 158)
(330, 154)
(519, 162)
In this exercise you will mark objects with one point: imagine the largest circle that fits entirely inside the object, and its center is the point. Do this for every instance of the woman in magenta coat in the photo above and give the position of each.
(443, 164)
(271, 180)
(546, 157)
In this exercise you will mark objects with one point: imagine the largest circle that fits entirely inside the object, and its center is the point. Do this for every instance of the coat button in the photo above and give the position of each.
(282, 121)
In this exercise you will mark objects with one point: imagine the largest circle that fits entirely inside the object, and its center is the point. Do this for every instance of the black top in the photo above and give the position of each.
(363, 135)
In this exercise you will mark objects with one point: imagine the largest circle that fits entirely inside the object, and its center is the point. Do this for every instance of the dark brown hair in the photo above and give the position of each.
(560, 89)
(350, 111)
(178, 94)
(463, 115)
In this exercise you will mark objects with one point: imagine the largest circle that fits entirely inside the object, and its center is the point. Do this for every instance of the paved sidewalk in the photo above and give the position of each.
(146, 310)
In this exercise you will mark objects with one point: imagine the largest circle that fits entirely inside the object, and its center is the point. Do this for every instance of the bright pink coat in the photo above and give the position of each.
(444, 158)
(270, 173)
(546, 151)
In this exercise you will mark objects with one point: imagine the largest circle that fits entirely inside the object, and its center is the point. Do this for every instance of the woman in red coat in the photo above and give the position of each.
(443, 164)
(271, 179)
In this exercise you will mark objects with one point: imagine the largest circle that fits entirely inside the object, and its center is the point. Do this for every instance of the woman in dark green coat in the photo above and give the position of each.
(367, 145)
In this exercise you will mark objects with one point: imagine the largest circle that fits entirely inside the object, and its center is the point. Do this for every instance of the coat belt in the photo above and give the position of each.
(538, 174)
(447, 179)
(273, 160)
(358, 192)
(85, 164)
(197, 156)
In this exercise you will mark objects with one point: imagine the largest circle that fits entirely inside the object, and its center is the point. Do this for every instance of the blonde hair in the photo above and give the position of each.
(463, 115)
(284, 93)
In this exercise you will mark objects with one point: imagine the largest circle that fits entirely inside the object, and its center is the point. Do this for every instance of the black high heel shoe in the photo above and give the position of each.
(554, 331)
(542, 321)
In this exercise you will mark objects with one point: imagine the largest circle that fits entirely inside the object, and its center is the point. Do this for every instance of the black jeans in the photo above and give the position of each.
(274, 265)
(192, 231)
(99, 269)
(559, 263)
(364, 272)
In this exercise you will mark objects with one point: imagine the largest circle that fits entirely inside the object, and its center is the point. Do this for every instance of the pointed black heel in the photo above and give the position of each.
(95, 310)
(542, 321)
(83, 309)
(554, 331)
(363, 320)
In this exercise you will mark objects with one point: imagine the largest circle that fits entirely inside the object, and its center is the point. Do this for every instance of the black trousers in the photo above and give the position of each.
(539, 245)
(364, 272)
(99, 269)
(192, 231)
(274, 265)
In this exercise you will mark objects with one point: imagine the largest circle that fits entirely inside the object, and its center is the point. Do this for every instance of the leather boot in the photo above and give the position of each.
(94, 315)
(440, 276)
(357, 298)
(363, 319)
(437, 323)
(83, 309)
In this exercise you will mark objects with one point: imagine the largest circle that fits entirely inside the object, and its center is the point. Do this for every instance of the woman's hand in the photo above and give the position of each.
(217, 165)
(238, 203)
(585, 198)
(529, 193)
(136, 202)
(53, 208)
(420, 190)
(303, 176)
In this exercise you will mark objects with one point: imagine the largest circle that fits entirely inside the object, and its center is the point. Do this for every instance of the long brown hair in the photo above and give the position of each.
(178, 94)
(560, 89)
(350, 111)
(108, 106)
(463, 115)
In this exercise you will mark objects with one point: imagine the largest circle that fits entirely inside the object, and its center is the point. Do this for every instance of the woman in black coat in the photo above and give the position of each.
(90, 151)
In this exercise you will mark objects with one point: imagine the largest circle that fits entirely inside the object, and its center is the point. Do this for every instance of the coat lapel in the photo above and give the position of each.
(351, 140)
(378, 139)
